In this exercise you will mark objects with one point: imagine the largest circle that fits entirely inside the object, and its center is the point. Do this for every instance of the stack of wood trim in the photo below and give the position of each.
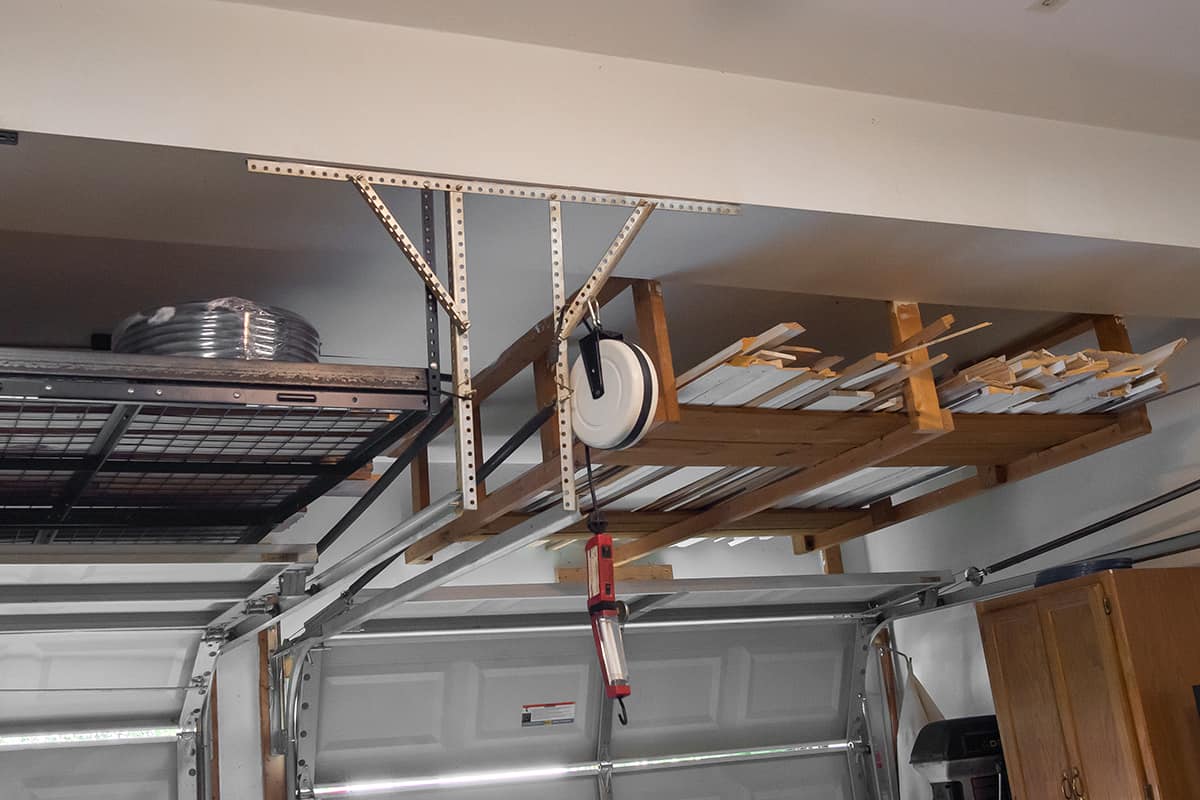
(1040, 382)
(766, 372)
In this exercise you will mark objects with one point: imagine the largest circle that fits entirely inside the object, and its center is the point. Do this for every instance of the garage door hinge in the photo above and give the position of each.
(1107, 606)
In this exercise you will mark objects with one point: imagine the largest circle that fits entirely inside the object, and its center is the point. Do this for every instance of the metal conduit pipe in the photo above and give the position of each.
(585, 769)
(367, 637)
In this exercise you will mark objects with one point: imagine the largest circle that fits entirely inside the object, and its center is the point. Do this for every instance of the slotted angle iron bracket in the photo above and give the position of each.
(454, 302)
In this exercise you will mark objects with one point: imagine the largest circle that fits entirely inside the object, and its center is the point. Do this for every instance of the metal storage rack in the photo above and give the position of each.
(101, 448)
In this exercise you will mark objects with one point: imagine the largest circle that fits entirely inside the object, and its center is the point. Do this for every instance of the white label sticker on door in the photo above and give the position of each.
(535, 715)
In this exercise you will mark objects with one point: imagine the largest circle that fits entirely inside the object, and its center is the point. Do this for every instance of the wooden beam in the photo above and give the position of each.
(1125, 427)
(418, 472)
(650, 572)
(546, 392)
(498, 503)
(635, 524)
(653, 338)
(1129, 425)
(831, 561)
(927, 334)
(751, 502)
(1111, 334)
(920, 391)
(214, 756)
(274, 777)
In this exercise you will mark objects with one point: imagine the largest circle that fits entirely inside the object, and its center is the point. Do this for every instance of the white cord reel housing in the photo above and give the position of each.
(614, 392)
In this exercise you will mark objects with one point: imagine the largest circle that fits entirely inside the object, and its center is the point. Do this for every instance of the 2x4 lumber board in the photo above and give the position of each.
(512, 495)
(1129, 425)
(927, 334)
(720, 454)
(274, 776)
(643, 572)
(1112, 335)
(920, 391)
(158, 554)
(884, 514)
(418, 471)
(545, 392)
(773, 522)
(1124, 427)
(776, 425)
(831, 561)
(751, 502)
(652, 336)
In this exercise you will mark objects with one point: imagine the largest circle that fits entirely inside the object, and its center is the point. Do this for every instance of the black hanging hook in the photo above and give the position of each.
(622, 717)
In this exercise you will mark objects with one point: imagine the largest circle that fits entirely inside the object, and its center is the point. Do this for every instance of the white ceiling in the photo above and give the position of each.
(1114, 63)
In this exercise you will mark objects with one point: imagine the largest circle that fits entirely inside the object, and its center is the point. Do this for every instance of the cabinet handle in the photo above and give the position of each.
(1066, 785)
(1077, 784)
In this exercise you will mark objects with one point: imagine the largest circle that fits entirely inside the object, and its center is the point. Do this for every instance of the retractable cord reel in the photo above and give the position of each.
(614, 391)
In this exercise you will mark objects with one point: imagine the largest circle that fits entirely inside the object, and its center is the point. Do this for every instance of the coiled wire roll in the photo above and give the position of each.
(228, 327)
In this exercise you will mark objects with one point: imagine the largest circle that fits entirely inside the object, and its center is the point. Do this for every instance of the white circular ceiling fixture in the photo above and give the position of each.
(622, 415)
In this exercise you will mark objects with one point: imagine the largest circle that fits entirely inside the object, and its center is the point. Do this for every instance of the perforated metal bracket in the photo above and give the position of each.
(491, 188)
(460, 346)
(187, 765)
(410, 250)
(309, 673)
(595, 282)
(562, 379)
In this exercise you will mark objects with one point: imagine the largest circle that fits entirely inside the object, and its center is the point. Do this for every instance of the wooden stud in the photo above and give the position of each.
(214, 760)
(498, 503)
(887, 667)
(653, 338)
(1112, 335)
(831, 561)
(418, 472)
(274, 777)
(649, 572)
(753, 501)
(920, 391)
(546, 392)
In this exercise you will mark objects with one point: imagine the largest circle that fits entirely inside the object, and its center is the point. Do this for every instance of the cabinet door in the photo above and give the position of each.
(1030, 728)
(1091, 693)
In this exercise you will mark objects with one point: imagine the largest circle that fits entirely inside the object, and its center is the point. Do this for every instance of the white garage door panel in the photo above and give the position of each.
(121, 772)
(818, 778)
(416, 707)
(715, 689)
(434, 706)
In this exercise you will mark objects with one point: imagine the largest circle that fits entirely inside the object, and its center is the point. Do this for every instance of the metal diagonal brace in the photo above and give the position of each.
(616, 251)
(410, 250)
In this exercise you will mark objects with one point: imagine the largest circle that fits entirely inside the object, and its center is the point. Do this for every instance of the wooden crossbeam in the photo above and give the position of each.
(1125, 427)
(636, 524)
(751, 502)
(512, 495)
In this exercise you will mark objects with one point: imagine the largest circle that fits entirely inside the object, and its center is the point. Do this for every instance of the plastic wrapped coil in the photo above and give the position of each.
(229, 327)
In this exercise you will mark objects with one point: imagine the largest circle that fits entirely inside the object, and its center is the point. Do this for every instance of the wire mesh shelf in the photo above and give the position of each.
(108, 449)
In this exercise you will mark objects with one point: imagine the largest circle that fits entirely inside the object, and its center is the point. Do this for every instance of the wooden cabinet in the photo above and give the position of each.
(1093, 681)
